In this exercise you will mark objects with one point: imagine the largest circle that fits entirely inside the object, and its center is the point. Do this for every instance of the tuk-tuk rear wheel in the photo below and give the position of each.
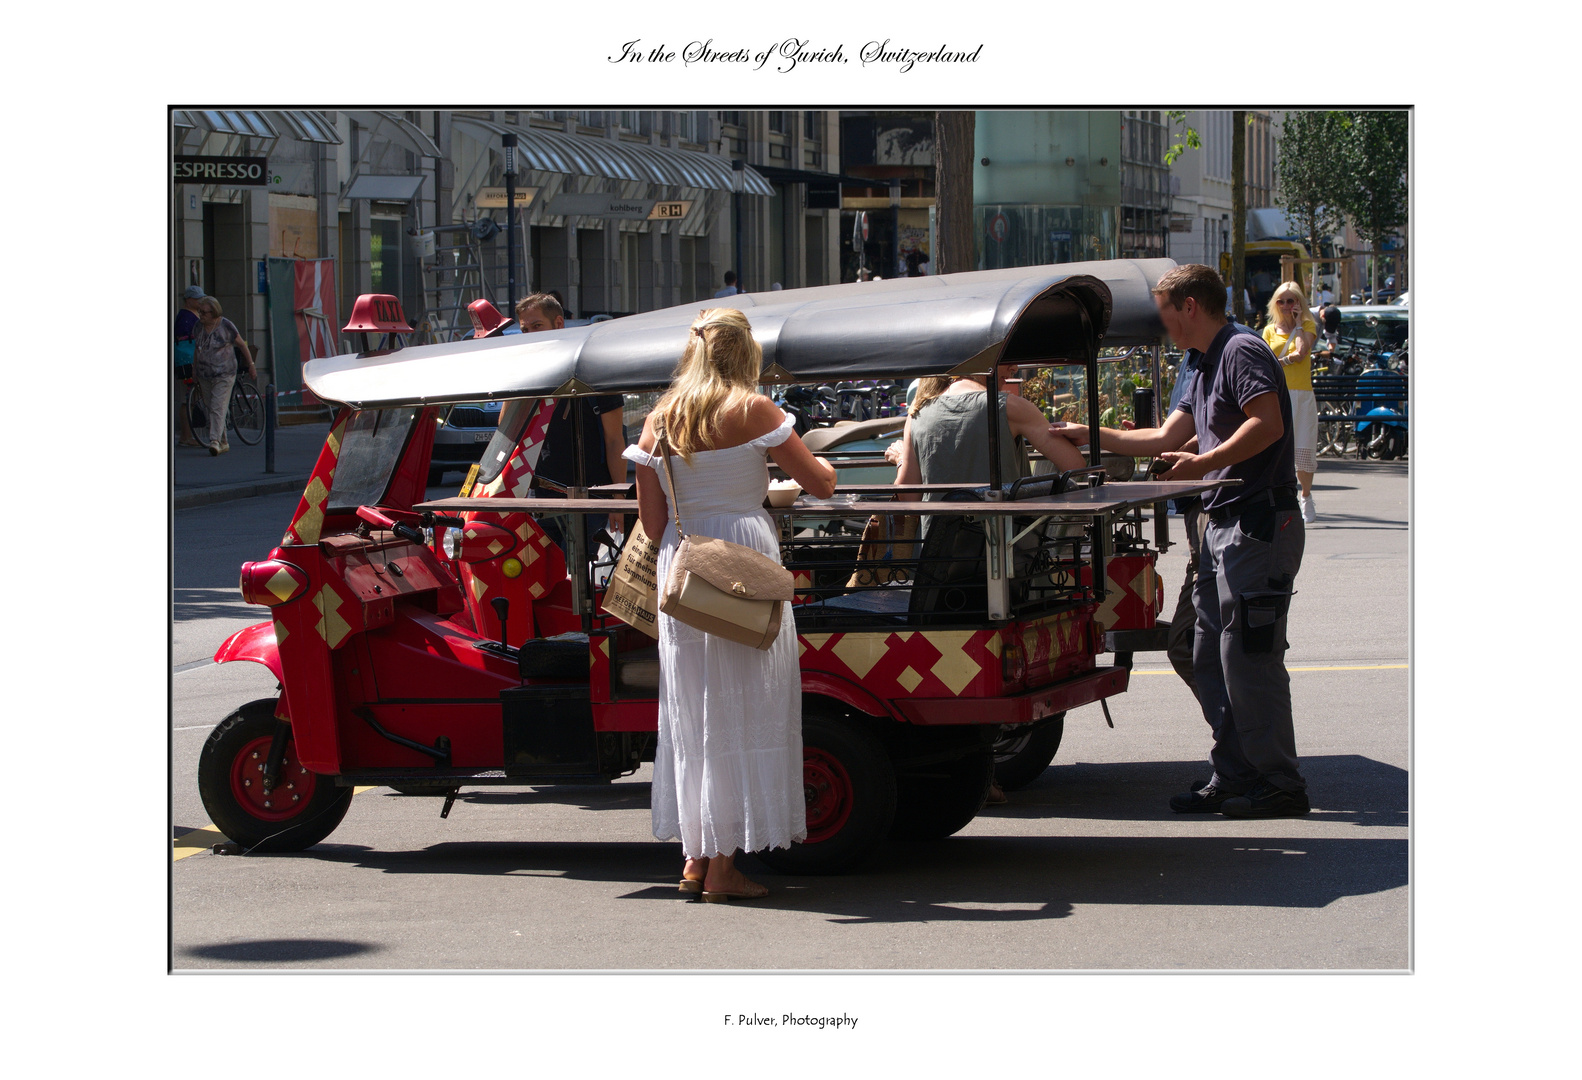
(942, 798)
(300, 810)
(850, 791)
(1024, 751)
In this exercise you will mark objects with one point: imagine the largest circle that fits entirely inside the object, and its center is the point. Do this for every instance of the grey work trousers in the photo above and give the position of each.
(1183, 624)
(1243, 596)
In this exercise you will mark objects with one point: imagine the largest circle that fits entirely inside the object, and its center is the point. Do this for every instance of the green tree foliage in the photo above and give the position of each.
(1315, 179)
(1376, 154)
(1189, 139)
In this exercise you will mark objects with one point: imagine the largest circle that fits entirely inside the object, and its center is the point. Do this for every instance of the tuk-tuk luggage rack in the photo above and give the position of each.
(943, 587)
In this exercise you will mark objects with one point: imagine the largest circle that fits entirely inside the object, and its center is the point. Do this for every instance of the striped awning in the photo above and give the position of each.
(394, 127)
(579, 155)
(245, 122)
(307, 126)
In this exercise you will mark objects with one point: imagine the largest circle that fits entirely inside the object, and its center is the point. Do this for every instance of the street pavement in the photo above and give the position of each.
(1086, 869)
(198, 479)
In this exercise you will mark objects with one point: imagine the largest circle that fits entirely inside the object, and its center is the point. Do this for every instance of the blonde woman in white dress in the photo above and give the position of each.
(728, 769)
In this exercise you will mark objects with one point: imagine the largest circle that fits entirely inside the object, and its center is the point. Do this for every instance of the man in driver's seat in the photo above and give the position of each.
(1240, 414)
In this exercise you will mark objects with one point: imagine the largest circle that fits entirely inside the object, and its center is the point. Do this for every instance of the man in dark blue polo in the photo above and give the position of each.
(1238, 412)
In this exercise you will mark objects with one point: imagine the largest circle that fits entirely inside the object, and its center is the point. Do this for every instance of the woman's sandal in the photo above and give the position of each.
(720, 896)
(692, 886)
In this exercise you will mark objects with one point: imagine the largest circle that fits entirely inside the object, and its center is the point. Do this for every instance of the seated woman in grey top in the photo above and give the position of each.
(946, 440)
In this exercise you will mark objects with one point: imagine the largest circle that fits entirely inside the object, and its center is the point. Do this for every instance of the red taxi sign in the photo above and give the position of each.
(378, 313)
(486, 319)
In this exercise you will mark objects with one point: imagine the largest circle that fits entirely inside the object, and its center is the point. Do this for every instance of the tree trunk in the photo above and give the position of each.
(1238, 214)
(954, 234)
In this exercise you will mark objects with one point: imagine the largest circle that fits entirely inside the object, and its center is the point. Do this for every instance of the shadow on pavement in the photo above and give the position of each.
(1344, 788)
(278, 950)
(1011, 878)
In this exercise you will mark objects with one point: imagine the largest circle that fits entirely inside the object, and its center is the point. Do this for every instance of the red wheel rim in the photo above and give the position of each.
(827, 788)
(293, 788)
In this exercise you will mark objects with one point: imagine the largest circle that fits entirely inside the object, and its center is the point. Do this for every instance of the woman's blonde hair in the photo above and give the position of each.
(1288, 288)
(719, 368)
(927, 390)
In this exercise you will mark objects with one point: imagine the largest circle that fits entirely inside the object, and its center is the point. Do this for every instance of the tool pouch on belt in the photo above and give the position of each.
(1261, 613)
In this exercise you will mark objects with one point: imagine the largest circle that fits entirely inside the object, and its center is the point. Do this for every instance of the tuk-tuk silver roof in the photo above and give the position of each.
(899, 328)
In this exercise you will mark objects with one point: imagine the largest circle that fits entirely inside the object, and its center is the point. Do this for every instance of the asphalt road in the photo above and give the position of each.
(1086, 869)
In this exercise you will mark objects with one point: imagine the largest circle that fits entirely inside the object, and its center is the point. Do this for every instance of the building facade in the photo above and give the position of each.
(630, 210)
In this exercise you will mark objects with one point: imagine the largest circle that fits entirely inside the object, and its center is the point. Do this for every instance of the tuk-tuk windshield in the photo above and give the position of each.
(369, 452)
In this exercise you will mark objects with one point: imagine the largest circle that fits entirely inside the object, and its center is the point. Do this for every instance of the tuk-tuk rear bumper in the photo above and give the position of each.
(1021, 708)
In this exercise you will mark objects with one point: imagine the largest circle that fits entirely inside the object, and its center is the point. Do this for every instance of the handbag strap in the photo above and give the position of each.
(664, 455)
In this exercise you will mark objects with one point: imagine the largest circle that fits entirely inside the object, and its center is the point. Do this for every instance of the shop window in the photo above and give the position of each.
(779, 124)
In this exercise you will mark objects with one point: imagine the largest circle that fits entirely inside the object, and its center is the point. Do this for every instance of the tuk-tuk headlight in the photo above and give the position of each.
(272, 582)
(479, 541)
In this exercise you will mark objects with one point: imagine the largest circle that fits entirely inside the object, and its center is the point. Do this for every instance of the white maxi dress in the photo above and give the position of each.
(728, 768)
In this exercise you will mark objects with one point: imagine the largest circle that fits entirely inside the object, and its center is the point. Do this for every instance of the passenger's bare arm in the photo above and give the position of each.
(1141, 442)
(1028, 421)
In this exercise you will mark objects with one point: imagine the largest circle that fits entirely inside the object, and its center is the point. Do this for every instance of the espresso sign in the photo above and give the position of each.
(229, 171)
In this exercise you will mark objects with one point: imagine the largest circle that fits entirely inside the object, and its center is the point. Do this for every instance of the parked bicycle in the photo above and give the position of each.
(244, 414)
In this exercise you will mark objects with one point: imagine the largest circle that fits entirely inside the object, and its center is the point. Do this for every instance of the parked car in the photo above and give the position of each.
(460, 437)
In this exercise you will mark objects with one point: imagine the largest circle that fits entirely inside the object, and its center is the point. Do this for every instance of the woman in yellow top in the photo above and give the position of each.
(1290, 334)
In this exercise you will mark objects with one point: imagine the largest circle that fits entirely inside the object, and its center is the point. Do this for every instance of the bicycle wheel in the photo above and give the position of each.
(196, 418)
(246, 417)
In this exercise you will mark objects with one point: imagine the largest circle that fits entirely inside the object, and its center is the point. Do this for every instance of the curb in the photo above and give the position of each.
(184, 500)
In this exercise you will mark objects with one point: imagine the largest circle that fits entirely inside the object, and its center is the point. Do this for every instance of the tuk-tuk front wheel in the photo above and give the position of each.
(297, 812)
(850, 791)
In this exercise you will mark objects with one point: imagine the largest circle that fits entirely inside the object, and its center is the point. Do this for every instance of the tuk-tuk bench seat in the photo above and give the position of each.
(885, 606)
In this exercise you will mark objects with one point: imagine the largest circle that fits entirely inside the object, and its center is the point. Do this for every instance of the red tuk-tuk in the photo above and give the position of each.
(433, 645)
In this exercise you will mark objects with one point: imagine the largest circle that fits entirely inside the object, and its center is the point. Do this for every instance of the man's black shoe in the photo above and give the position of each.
(1206, 797)
(1266, 800)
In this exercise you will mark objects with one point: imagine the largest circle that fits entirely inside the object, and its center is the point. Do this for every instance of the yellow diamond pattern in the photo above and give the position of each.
(861, 652)
(282, 585)
(331, 627)
(905, 635)
(818, 641)
(495, 547)
(479, 587)
(536, 590)
(909, 679)
(954, 668)
(604, 645)
(280, 634)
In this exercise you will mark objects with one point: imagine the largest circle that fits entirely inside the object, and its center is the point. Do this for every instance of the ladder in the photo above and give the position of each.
(455, 279)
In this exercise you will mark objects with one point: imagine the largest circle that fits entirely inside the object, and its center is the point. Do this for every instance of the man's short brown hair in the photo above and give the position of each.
(542, 303)
(1199, 282)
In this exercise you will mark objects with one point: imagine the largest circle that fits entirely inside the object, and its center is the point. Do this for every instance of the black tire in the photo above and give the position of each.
(850, 789)
(238, 812)
(246, 417)
(941, 799)
(1024, 751)
(196, 417)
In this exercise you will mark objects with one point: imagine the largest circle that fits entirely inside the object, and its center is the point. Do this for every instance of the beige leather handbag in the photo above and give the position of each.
(729, 590)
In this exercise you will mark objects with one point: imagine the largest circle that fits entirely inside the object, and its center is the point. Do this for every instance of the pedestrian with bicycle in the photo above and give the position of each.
(217, 345)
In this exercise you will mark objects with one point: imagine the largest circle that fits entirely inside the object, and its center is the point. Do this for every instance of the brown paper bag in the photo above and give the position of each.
(633, 592)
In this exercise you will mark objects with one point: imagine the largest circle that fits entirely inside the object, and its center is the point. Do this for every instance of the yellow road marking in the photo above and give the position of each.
(205, 838)
(1356, 667)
